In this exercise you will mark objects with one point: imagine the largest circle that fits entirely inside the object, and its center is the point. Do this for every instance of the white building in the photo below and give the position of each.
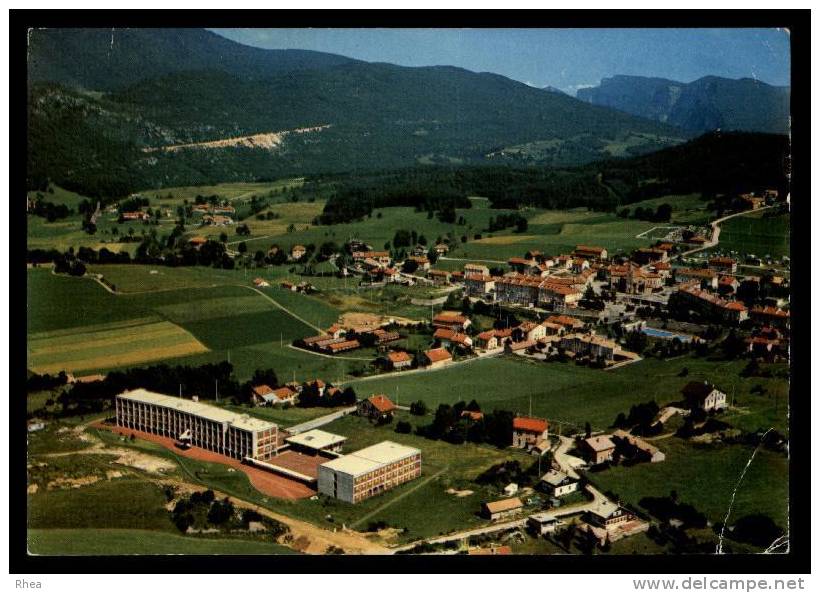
(208, 427)
(370, 471)
(558, 484)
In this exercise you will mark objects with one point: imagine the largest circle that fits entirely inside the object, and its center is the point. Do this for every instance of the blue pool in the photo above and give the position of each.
(663, 334)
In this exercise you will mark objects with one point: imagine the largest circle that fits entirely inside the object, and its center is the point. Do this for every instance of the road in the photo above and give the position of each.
(486, 261)
(320, 421)
(567, 464)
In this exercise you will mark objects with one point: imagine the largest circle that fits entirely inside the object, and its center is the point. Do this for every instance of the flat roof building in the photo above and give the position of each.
(205, 426)
(314, 441)
(369, 471)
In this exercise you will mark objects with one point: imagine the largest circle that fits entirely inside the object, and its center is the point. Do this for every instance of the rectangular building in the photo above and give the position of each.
(370, 471)
(208, 427)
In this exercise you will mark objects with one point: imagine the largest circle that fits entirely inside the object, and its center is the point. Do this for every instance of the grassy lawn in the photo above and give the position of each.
(756, 233)
(705, 476)
(174, 196)
(102, 542)
(125, 503)
(574, 394)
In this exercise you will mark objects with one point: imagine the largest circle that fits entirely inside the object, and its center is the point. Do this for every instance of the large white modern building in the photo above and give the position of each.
(205, 426)
(370, 471)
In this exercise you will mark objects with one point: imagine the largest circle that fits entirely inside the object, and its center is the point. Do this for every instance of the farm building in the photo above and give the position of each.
(399, 360)
(643, 449)
(590, 252)
(501, 509)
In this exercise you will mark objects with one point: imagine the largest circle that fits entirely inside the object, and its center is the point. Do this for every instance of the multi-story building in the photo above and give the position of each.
(476, 269)
(370, 471)
(723, 264)
(478, 285)
(590, 345)
(711, 305)
(518, 289)
(201, 425)
(590, 252)
(704, 395)
(702, 275)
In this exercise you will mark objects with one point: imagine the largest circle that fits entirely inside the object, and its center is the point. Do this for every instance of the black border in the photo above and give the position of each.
(797, 561)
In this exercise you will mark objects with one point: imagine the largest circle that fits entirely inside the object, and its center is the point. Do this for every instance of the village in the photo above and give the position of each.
(581, 308)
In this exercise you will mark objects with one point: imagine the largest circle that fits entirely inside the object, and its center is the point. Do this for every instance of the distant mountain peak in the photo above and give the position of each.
(708, 103)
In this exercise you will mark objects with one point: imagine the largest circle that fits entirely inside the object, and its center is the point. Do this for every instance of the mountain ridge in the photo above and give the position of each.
(708, 103)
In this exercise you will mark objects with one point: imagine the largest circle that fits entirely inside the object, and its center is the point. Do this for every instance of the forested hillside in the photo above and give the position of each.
(97, 108)
(717, 163)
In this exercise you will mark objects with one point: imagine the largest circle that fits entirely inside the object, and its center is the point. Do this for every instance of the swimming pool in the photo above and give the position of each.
(665, 335)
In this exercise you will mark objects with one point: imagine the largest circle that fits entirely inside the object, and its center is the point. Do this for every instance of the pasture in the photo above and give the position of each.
(232, 192)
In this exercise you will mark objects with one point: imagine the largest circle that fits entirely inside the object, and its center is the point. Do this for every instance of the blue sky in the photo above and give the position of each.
(564, 58)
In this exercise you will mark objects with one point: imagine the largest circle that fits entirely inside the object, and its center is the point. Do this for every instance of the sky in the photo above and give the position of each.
(567, 59)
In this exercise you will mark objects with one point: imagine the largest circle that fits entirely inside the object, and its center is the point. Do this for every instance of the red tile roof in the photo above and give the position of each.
(438, 355)
(382, 403)
(399, 357)
(522, 423)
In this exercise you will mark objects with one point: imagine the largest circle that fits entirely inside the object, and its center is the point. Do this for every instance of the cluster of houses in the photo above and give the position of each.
(265, 395)
(338, 339)
(215, 214)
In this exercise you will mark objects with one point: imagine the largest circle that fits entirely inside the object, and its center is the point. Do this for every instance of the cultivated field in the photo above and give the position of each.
(109, 345)
(229, 320)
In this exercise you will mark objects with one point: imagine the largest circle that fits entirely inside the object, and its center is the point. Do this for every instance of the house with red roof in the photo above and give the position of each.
(438, 357)
(528, 432)
(378, 407)
(399, 360)
(486, 340)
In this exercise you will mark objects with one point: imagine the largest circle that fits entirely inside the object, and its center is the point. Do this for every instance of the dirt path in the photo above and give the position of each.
(307, 538)
(283, 308)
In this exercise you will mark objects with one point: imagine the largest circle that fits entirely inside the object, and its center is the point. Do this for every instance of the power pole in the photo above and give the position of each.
(180, 390)
(216, 389)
